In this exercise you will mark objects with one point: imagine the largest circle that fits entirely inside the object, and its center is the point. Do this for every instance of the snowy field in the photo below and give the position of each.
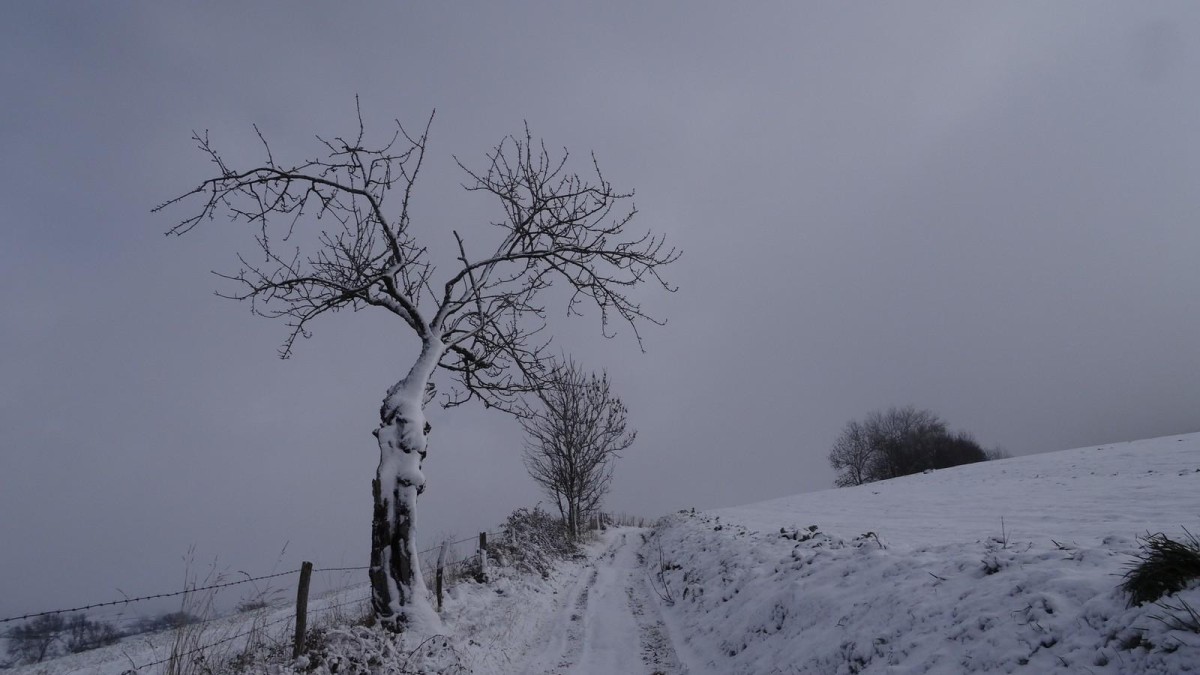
(229, 636)
(1007, 567)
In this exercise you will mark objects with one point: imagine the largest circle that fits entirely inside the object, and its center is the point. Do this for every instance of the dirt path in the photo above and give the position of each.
(608, 620)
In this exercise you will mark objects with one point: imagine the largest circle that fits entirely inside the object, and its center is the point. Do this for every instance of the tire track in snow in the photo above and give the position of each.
(564, 630)
(658, 653)
(607, 622)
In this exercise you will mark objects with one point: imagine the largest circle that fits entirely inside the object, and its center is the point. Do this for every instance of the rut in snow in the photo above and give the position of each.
(608, 622)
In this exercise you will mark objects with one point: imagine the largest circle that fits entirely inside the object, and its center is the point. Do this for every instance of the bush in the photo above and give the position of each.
(35, 641)
(167, 621)
(534, 540)
(84, 634)
(899, 442)
(52, 635)
(993, 454)
(1164, 566)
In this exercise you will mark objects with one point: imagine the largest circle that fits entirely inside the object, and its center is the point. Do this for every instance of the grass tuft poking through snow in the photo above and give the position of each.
(1164, 566)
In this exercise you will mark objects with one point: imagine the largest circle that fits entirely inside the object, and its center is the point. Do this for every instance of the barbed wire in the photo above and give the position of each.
(257, 626)
(340, 604)
(254, 629)
(431, 549)
(128, 624)
(248, 579)
(156, 596)
(273, 607)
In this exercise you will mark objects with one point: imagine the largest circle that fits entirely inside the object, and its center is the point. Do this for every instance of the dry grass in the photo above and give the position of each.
(1164, 566)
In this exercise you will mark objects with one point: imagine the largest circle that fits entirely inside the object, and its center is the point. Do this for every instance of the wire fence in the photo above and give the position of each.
(255, 620)
(261, 630)
(254, 617)
(179, 656)
(214, 587)
(217, 586)
(258, 630)
(156, 596)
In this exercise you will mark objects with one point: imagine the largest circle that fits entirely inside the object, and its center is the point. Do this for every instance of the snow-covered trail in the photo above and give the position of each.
(607, 621)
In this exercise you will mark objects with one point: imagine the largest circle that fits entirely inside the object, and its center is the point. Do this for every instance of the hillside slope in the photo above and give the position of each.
(1007, 566)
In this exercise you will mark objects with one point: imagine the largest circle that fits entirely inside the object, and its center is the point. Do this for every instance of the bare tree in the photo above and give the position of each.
(573, 437)
(905, 439)
(34, 641)
(83, 634)
(333, 233)
(852, 455)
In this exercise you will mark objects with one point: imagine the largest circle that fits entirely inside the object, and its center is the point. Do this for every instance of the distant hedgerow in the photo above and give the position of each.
(1164, 566)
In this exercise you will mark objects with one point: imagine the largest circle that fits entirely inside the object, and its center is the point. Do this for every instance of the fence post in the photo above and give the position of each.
(440, 565)
(483, 572)
(302, 608)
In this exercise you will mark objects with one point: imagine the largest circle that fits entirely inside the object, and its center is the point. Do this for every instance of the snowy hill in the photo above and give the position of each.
(1009, 567)
(1006, 566)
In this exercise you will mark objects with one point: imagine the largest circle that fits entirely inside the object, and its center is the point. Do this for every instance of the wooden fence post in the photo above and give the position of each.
(440, 565)
(302, 608)
(483, 556)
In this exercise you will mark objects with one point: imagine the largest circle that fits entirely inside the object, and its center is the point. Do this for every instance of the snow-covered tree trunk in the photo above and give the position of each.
(397, 588)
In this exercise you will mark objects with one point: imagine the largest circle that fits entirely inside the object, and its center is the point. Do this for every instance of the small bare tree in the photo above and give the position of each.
(573, 437)
(33, 642)
(852, 455)
(333, 233)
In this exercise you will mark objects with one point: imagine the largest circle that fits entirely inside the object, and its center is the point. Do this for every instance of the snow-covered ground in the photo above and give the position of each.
(593, 616)
(229, 637)
(1007, 566)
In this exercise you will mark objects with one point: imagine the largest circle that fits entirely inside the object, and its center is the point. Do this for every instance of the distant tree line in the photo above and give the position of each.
(899, 442)
(53, 635)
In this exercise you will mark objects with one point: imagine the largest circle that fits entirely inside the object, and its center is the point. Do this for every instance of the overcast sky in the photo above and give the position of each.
(987, 211)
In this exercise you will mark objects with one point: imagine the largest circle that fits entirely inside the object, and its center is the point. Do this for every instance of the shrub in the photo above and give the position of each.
(35, 641)
(84, 634)
(1164, 566)
(251, 605)
(534, 540)
(622, 520)
(899, 442)
(167, 621)
(54, 634)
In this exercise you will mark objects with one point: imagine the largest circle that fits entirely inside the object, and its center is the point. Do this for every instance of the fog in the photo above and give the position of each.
(987, 211)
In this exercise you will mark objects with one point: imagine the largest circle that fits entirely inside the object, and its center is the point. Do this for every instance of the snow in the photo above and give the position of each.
(1081, 495)
(402, 449)
(1010, 566)
(232, 636)
(1007, 566)
(603, 625)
